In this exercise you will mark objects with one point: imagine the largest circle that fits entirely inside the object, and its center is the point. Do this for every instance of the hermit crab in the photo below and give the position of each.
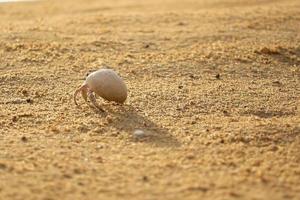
(105, 83)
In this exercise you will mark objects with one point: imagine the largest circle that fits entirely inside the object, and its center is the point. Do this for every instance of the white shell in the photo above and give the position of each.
(107, 84)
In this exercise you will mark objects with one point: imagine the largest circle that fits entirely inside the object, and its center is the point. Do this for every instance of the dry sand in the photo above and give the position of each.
(214, 84)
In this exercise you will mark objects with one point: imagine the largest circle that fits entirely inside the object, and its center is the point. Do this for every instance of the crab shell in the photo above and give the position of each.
(107, 84)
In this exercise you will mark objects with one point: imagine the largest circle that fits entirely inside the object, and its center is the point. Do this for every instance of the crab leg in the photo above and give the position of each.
(92, 98)
(84, 94)
(83, 90)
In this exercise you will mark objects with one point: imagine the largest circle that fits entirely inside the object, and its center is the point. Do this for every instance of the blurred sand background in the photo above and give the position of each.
(214, 84)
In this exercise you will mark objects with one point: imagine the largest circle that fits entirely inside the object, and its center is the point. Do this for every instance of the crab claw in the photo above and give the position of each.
(83, 90)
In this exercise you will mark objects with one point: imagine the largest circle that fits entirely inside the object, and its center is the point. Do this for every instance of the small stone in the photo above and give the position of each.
(139, 133)
(190, 157)
(192, 103)
(234, 194)
(99, 159)
(28, 100)
(3, 166)
(268, 51)
(24, 139)
(276, 82)
(109, 119)
(218, 76)
(145, 178)
(192, 76)
(37, 94)
(67, 176)
(14, 119)
(25, 92)
(181, 24)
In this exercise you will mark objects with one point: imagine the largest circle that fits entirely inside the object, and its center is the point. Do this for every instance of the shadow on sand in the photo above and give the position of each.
(126, 118)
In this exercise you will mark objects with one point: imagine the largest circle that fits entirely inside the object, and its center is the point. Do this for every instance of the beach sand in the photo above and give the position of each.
(213, 85)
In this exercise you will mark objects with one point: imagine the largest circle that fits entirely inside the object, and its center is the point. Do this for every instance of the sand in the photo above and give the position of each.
(213, 85)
